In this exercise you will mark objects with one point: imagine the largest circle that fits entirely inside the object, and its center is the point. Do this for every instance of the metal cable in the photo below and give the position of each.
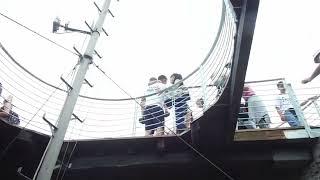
(3, 153)
(40, 35)
(190, 146)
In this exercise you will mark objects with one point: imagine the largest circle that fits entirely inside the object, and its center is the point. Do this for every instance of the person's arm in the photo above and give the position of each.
(278, 104)
(315, 73)
(142, 103)
(280, 114)
(3, 114)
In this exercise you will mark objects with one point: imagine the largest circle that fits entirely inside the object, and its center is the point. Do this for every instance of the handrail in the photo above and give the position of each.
(293, 108)
(119, 117)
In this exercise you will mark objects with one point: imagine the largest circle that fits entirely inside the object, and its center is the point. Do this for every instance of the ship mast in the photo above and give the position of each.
(51, 154)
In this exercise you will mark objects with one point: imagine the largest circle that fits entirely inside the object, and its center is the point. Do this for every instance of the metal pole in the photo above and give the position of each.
(203, 88)
(317, 107)
(135, 117)
(55, 143)
(297, 108)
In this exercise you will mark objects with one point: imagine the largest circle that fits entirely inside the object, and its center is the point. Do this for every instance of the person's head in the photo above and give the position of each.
(152, 80)
(280, 86)
(247, 92)
(200, 103)
(317, 58)
(174, 77)
(163, 79)
(246, 88)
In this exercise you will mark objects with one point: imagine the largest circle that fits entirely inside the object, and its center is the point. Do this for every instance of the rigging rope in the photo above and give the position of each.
(40, 35)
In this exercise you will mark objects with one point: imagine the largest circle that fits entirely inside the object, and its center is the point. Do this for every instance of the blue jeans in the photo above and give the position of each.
(291, 118)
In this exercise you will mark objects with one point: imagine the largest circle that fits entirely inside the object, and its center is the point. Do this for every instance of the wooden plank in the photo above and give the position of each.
(274, 134)
(259, 135)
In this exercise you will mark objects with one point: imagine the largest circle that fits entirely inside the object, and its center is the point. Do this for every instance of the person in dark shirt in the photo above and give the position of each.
(180, 96)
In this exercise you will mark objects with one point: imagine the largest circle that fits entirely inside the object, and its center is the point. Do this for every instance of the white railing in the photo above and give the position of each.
(298, 106)
(110, 118)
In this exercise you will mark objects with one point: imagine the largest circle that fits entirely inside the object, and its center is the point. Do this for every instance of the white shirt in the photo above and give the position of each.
(283, 103)
(157, 99)
(177, 91)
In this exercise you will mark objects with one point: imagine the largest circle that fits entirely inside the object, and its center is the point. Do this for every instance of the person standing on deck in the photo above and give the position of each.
(257, 111)
(285, 108)
(153, 113)
(180, 96)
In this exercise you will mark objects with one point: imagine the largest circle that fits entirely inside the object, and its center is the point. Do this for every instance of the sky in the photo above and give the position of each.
(149, 38)
(285, 40)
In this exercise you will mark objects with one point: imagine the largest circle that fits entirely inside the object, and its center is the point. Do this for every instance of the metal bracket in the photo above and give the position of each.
(105, 32)
(52, 127)
(87, 82)
(110, 13)
(95, 4)
(91, 30)
(97, 54)
(63, 80)
(77, 51)
(22, 175)
(77, 118)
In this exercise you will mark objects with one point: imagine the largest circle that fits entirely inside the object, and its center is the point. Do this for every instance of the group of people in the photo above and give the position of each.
(157, 101)
(6, 113)
(253, 113)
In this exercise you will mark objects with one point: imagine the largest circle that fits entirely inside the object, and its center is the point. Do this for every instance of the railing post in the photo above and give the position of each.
(203, 88)
(317, 107)
(296, 106)
(135, 116)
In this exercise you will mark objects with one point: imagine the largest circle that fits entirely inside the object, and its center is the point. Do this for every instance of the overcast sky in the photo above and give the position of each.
(286, 37)
(153, 37)
(148, 38)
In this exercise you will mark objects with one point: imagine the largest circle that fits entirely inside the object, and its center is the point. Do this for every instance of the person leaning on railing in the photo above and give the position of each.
(153, 113)
(257, 111)
(316, 72)
(285, 108)
(222, 79)
(179, 98)
(6, 113)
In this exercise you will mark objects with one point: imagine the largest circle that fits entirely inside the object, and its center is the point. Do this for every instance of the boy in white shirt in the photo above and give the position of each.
(153, 114)
(285, 108)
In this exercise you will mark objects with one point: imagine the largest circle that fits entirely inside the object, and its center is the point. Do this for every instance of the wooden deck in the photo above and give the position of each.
(275, 134)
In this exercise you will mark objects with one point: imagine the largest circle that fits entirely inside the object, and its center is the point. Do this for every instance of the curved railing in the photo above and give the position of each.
(109, 118)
